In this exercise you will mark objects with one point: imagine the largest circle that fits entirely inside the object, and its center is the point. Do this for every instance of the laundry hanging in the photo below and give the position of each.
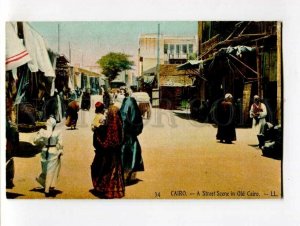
(36, 47)
(16, 53)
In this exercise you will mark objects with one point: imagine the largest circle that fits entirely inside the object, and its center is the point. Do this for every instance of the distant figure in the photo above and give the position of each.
(258, 113)
(86, 100)
(106, 169)
(72, 114)
(52, 149)
(106, 99)
(225, 120)
(132, 127)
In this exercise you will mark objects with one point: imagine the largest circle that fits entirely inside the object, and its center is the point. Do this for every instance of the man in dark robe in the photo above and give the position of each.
(225, 120)
(132, 126)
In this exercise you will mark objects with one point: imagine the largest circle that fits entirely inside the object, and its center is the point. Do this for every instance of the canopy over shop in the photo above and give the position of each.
(87, 81)
(31, 77)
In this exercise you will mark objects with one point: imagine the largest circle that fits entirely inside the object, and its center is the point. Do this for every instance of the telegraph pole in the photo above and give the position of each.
(155, 91)
(58, 38)
(70, 52)
(259, 78)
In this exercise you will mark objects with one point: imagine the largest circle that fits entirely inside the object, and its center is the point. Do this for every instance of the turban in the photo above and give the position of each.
(228, 95)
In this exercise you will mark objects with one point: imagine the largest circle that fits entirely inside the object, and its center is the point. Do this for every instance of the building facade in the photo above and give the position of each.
(165, 50)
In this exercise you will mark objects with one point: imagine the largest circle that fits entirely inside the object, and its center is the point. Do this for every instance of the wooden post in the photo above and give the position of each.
(201, 84)
(259, 80)
(279, 100)
(200, 34)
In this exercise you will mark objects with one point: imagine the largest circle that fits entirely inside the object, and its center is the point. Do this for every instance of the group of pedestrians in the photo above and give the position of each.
(118, 154)
(117, 150)
(225, 118)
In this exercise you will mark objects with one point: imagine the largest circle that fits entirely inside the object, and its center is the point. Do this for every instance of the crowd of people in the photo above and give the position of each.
(118, 154)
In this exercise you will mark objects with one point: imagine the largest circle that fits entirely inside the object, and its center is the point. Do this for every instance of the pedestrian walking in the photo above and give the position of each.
(72, 114)
(225, 120)
(106, 99)
(258, 113)
(106, 168)
(52, 149)
(132, 126)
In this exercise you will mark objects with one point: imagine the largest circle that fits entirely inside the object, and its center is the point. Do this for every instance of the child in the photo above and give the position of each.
(99, 119)
(51, 142)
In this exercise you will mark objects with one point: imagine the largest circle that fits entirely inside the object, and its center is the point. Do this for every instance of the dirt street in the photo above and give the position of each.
(182, 160)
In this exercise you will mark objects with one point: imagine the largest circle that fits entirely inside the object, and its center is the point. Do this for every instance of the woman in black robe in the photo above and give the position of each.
(226, 121)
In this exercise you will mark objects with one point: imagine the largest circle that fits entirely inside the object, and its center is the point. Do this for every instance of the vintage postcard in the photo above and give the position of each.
(144, 110)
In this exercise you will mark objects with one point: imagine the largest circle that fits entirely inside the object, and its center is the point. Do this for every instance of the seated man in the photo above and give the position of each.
(273, 147)
(267, 131)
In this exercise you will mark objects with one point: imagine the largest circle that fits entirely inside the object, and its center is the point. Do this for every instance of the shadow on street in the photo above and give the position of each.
(27, 150)
(52, 193)
(12, 195)
(132, 182)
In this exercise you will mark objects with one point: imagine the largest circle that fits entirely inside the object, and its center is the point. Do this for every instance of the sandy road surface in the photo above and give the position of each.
(182, 161)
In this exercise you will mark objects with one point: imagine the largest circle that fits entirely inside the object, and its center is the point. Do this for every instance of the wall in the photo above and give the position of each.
(169, 75)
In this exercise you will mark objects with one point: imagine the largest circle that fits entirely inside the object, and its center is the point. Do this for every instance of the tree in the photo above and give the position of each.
(113, 63)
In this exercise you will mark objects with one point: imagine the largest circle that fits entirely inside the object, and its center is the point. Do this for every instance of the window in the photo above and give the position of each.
(165, 48)
(190, 48)
(177, 49)
(172, 49)
(184, 49)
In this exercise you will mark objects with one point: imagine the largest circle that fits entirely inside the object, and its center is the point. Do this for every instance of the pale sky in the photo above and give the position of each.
(91, 40)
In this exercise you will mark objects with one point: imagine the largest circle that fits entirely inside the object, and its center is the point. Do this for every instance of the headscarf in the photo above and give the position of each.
(114, 134)
(99, 107)
(51, 123)
(74, 105)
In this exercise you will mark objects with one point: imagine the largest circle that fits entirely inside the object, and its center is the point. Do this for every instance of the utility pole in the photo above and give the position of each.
(70, 52)
(259, 78)
(58, 38)
(155, 91)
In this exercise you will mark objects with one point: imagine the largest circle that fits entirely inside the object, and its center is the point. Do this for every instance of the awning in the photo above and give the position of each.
(191, 64)
(36, 47)
(151, 71)
(87, 72)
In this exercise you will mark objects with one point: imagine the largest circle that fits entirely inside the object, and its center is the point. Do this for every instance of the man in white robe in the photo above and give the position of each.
(258, 113)
(52, 149)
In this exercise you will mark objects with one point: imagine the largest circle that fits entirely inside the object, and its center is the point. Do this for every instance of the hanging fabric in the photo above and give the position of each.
(16, 53)
(36, 47)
